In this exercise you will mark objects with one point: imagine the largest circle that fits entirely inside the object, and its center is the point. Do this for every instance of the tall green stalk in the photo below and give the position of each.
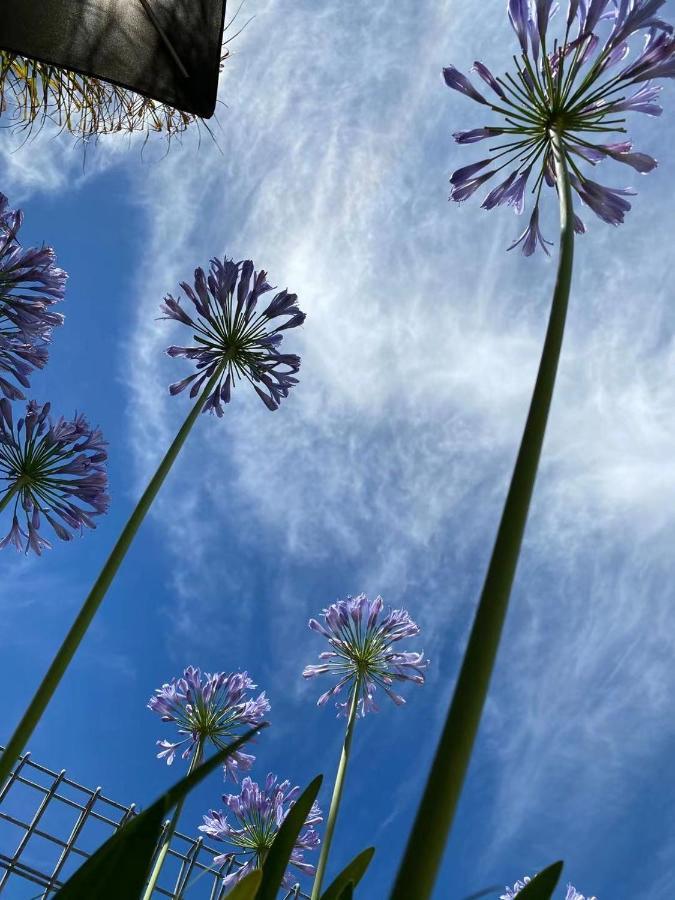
(337, 794)
(90, 606)
(424, 851)
(173, 824)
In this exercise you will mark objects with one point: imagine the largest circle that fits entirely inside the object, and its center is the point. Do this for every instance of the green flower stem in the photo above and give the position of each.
(337, 793)
(424, 851)
(15, 488)
(173, 824)
(79, 627)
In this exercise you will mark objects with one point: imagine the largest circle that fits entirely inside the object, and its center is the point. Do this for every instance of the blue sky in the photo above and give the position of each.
(385, 470)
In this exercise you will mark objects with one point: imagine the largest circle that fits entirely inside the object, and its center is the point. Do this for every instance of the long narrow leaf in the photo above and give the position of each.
(280, 851)
(247, 888)
(351, 874)
(543, 884)
(120, 867)
(347, 893)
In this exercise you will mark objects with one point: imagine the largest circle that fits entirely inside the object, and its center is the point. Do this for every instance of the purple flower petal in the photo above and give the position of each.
(532, 237)
(488, 78)
(458, 82)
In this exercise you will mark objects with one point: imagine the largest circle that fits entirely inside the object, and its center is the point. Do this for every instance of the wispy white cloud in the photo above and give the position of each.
(49, 162)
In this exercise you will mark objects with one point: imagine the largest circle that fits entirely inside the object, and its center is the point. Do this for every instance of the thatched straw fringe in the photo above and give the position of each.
(33, 93)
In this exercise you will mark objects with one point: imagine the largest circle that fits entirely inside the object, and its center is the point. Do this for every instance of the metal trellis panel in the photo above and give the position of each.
(49, 824)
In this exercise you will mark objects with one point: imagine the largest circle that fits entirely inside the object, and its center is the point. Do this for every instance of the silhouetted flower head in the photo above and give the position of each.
(251, 823)
(57, 472)
(572, 893)
(213, 708)
(362, 639)
(233, 336)
(30, 284)
(601, 64)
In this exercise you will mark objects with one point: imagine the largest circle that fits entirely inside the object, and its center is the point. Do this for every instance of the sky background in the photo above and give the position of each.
(386, 468)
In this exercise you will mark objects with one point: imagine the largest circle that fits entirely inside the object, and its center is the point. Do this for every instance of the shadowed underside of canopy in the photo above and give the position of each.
(98, 66)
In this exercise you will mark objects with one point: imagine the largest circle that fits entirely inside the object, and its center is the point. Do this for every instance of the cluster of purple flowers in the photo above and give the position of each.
(30, 284)
(572, 892)
(568, 87)
(209, 708)
(51, 469)
(215, 708)
(362, 654)
(257, 813)
(232, 337)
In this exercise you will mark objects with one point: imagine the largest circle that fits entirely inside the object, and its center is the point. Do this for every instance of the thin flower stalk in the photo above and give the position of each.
(216, 359)
(336, 797)
(560, 98)
(90, 607)
(426, 843)
(364, 657)
(170, 830)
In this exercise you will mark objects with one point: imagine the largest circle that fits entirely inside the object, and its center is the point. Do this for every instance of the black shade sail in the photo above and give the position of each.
(168, 50)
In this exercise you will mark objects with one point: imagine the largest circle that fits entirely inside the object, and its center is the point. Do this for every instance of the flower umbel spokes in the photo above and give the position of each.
(50, 469)
(362, 653)
(252, 822)
(209, 708)
(568, 89)
(232, 338)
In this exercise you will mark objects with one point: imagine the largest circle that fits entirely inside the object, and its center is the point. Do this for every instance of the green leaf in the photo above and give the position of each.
(351, 874)
(542, 885)
(348, 892)
(247, 888)
(280, 851)
(121, 866)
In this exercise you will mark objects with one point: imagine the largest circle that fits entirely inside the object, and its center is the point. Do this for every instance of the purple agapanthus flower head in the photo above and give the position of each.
(576, 77)
(234, 336)
(30, 284)
(362, 637)
(53, 470)
(251, 823)
(511, 892)
(213, 708)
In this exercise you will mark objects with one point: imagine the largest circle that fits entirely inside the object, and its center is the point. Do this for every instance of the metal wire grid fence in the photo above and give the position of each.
(53, 823)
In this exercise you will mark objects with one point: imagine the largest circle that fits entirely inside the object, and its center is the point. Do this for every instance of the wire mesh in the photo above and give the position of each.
(49, 824)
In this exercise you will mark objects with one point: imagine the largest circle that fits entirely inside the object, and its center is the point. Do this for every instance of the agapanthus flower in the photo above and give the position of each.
(213, 708)
(572, 892)
(30, 284)
(53, 469)
(363, 656)
(575, 85)
(251, 824)
(233, 336)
